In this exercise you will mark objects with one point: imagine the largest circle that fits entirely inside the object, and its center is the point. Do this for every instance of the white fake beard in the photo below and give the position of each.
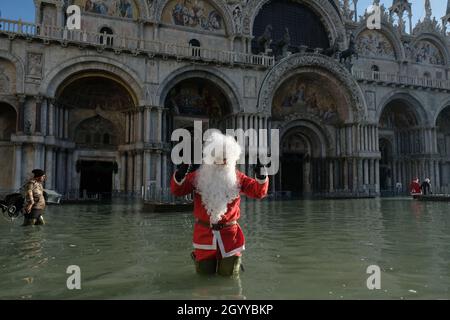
(218, 186)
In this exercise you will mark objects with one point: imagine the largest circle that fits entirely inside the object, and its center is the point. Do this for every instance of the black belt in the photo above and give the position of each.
(216, 226)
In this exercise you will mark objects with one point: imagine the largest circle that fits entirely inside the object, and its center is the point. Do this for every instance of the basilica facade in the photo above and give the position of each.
(358, 110)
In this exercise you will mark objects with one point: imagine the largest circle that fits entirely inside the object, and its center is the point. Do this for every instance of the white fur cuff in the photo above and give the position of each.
(178, 183)
(262, 181)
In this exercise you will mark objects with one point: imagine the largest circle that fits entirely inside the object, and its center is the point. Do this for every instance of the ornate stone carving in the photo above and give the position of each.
(34, 64)
(4, 82)
(298, 61)
(428, 26)
(372, 43)
(249, 87)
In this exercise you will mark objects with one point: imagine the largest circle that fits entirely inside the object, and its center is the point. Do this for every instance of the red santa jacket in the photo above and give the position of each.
(415, 188)
(230, 239)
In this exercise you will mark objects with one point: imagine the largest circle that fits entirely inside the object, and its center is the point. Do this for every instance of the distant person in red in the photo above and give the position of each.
(415, 187)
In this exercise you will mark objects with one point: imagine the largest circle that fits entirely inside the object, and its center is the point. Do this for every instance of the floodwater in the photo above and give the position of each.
(294, 250)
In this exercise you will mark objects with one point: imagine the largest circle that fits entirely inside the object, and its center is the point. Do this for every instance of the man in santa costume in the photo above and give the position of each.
(217, 184)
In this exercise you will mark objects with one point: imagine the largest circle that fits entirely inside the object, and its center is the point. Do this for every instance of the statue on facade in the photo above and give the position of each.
(284, 44)
(350, 52)
(265, 40)
(331, 51)
(27, 127)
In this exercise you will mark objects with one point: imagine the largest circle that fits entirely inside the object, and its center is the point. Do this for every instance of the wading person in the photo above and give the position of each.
(415, 187)
(218, 239)
(34, 199)
(426, 186)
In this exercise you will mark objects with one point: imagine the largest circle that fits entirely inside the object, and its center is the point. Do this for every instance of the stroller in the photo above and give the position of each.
(12, 206)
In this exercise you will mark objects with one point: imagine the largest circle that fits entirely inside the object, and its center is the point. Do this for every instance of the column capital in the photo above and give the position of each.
(39, 98)
(21, 97)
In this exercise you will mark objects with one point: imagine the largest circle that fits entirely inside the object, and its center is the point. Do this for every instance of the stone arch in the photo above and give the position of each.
(225, 84)
(294, 64)
(320, 133)
(389, 33)
(327, 13)
(436, 41)
(408, 98)
(218, 5)
(129, 78)
(19, 66)
(442, 105)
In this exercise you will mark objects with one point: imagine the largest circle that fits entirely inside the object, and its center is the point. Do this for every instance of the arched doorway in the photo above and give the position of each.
(7, 161)
(95, 103)
(96, 177)
(306, 112)
(443, 148)
(401, 145)
(386, 182)
(304, 169)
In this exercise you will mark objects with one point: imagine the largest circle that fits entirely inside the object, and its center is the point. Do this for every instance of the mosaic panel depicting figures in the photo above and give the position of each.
(112, 8)
(426, 52)
(96, 93)
(310, 95)
(197, 14)
(195, 97)
(374, 44)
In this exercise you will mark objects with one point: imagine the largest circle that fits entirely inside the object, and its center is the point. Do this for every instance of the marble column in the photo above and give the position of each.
(51, 118)
(147, 168)
(69, 171)
(345, 172)
(360, 173)
(18, 166)
(130, 160)
(138, 172)
(147, 125)
(66, 123)
(123, 171)
(21, 114)
(158, 169)
(38, 114)
(159, 126)
(61, 123)
(165, 174)
(139, 125)
(366, 171)
(50, 183)
(44, 117)
(127, 127)
(377, 176)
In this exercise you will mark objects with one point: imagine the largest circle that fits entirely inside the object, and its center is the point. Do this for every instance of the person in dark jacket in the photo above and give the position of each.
(426, 186)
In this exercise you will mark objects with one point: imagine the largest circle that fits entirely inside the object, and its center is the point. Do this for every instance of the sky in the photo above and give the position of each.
(24, 9)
